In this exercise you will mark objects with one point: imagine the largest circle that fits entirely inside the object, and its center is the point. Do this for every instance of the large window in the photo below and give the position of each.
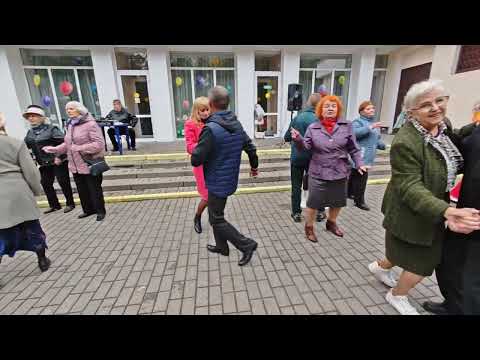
(56, 77)
(193, 75)
(330, 73)
(378, 84)
(468, 58)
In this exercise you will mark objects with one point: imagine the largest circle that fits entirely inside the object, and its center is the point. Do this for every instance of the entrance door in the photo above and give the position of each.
(267, 97)
(134, 93)
(409, 77)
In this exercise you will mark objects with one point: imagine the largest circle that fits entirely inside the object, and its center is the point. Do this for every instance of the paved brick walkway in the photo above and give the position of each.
(145, 258)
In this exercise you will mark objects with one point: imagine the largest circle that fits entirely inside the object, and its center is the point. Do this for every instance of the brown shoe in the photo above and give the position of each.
(310, 234)
(333, 228)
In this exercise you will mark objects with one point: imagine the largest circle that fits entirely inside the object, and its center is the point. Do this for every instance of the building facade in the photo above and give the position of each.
(159, 83)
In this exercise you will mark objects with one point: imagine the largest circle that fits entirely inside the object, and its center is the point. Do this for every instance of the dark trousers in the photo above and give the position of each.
(471, 277)
(91, 193)
(449, 272)
(222, 230)
(123, 130)
(48, 174)
(357, 184)
(296, 176)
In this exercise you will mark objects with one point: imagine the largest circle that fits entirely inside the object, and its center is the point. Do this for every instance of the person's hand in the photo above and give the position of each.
(295, 133)
(464, 221)
(253, 172)
(49, 149)
(363, 169)
(57, 161)
(375, 125)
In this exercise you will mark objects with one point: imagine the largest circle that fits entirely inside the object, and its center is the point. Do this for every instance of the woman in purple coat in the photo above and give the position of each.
(331, 141)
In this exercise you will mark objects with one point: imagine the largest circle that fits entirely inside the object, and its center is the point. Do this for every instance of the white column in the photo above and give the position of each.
(160, 94)
(18, 76)
(390, 91)
(363, 65)
(9, 104)
(105, 77)
(245, 88)
(290, 75)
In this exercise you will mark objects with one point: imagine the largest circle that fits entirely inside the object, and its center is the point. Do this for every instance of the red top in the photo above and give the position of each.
(192, 134)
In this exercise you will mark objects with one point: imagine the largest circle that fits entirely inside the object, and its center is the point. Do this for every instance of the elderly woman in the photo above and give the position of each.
(331, 140)
(367, 133)
(42, 134)
(83, 141)
(19, 183)
(425, 163)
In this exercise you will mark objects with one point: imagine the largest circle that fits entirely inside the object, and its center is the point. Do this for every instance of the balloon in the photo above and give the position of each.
(341, 80)
(215, 61)
(201, 81)
(46, 101)
(137, 95)
(66, 88)
(186, 104)
(179, 81)
(267, 95)
(36, 80)
(322, 89)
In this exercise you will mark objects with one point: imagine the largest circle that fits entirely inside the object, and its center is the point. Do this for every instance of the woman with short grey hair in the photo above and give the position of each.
(83, 142)
(425, 163)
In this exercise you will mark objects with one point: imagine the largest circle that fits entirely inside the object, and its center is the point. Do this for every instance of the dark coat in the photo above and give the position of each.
(301, 122)
(44, 135)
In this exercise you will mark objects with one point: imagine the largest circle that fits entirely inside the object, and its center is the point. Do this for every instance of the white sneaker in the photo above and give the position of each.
(401, 304)
(385, 276)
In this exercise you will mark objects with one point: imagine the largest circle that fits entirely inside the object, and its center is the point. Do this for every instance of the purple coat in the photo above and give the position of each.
(330, 152)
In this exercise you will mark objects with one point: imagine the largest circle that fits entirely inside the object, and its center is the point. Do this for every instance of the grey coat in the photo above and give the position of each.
(19, 183)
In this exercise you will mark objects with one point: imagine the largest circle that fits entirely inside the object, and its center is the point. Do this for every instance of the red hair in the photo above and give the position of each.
(364, 105)
(331, 98)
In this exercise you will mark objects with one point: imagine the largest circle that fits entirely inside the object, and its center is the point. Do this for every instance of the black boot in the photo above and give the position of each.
(216, 250)
(43, 261)
(435, 308)
(247, 255)
(52, 209)
(68, 208)
(197, 223)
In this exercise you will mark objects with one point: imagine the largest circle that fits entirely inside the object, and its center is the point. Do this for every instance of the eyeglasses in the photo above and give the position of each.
(428, 106)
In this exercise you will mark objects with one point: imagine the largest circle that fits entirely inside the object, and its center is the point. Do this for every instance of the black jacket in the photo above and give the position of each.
(122, 116)
(44, 135)
(205, 146)
(470, 191)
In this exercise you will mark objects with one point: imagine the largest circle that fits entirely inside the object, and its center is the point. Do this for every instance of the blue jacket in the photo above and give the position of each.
(219, 150)
(301, 122)
(368, 140)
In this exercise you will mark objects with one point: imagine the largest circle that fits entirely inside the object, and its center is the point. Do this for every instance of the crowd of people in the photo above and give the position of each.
(330, 156)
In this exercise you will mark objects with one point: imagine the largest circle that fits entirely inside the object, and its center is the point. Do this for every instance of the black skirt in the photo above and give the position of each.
(326, 193)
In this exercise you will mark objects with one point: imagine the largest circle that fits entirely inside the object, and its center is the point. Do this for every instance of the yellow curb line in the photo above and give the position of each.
(192, 194)
(181, 156)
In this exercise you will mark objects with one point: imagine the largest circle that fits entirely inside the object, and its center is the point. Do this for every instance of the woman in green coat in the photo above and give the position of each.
(425, 163)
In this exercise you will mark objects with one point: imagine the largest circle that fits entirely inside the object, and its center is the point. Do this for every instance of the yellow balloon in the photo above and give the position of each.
(267, 96)
(137, 95)
(36, 80)
(341, 80)
(179, 81)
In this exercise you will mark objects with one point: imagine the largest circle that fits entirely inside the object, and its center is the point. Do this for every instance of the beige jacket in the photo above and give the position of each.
(19, 183)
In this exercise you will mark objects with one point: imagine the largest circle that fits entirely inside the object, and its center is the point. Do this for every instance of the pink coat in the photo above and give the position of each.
(87, 142)
(192, 135)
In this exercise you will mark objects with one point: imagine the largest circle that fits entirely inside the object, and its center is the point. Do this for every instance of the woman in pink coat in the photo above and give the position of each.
(83, 140)
(193, 128)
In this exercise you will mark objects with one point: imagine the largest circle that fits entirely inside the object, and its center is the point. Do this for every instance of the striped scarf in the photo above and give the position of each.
(445, 146)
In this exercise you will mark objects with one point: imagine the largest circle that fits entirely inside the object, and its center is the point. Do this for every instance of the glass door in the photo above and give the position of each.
(134, 92)
(267, 97)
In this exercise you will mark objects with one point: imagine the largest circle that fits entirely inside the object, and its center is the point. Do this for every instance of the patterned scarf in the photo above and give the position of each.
(445, 146)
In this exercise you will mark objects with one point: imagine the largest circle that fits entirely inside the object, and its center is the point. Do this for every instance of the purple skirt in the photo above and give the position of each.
(27, 236)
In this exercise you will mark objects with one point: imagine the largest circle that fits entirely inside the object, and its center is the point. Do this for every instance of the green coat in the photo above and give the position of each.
(416, 198)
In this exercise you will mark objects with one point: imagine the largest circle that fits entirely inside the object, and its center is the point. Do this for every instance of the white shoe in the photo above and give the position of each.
(401, 304)
(383, 275)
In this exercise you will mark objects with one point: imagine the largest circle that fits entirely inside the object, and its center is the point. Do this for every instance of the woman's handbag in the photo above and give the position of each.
(97, 166)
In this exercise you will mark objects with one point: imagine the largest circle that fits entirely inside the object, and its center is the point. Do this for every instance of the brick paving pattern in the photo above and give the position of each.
(145, 258)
